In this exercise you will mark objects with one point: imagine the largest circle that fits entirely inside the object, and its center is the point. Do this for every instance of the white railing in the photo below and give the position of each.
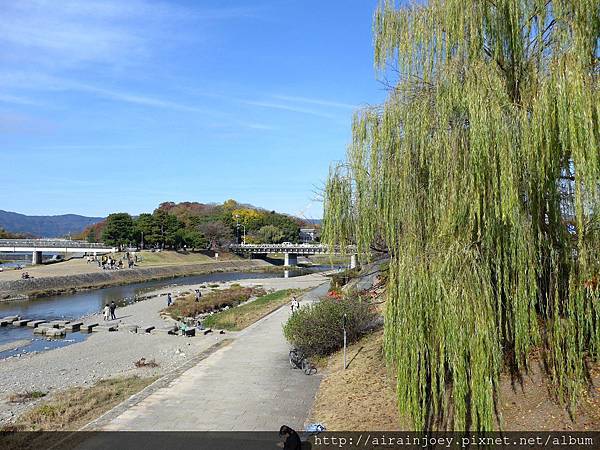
(50, 243)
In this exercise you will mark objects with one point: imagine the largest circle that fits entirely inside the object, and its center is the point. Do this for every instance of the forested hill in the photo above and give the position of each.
(45, 226)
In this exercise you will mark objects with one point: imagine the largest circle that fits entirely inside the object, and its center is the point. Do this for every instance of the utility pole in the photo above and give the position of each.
(344, 325)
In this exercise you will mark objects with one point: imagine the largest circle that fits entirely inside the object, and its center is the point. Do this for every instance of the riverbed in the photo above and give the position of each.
(82, 304)
(104, 354)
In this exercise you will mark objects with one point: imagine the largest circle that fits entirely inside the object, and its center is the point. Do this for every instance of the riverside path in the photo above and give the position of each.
(245, 386)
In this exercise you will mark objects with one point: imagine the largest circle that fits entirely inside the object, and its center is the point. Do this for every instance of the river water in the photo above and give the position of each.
(74, 306)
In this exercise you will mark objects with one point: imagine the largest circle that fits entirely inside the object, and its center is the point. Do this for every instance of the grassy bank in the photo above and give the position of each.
(362, 397)
(240, 317)
(73, 408)
(186, 305)
(167, 258)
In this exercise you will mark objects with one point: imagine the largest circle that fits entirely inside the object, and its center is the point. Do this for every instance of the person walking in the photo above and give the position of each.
(113, 308)
(295, 304)
(106, 312)
(198, 295)
(169, 299)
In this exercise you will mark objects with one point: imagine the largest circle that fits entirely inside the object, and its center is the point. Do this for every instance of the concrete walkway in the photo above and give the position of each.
(245, 386)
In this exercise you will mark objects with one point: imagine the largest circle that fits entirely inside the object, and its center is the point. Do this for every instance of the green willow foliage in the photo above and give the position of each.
(480, 174)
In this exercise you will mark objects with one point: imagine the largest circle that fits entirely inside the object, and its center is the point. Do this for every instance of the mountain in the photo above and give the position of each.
(45, 226)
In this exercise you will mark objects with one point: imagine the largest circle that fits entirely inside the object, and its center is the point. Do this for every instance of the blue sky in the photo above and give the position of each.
(120, 105)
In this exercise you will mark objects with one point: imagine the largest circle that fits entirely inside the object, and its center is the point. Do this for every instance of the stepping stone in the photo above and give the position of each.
(106, 328)
(10, 319)
(73, 326)
(59, 323)
(148, 329)
(130, 328)
(88, 327)
(56, 332)
(35, 323)
(41, 329)
(20, 322)
(3, 323)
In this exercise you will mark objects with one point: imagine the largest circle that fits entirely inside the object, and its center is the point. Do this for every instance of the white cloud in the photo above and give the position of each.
(67, 34)
(315, 101)
(4, 98)
(292, 108)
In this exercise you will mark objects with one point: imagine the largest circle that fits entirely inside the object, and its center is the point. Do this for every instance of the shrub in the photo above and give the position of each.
(318, 329)
(339, 280)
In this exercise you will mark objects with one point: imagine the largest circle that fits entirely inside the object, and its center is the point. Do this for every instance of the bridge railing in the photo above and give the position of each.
(53, 243)
(290, 248)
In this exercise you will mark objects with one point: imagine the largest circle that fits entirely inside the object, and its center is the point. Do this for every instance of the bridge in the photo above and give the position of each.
(39, 246)
(292, 251)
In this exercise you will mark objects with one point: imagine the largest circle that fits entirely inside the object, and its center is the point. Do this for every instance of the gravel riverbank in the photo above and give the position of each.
(108, 354)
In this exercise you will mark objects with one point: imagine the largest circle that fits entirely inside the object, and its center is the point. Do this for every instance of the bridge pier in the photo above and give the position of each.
(353, 261)
(36, 257)
(290, 259)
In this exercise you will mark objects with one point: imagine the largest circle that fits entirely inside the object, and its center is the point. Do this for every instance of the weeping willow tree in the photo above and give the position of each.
(480, 176)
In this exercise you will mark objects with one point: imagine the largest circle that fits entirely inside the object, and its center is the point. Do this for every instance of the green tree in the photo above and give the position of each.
(288, 226)
(165, 228)
(144, 228)
(191, 239)
(118, 229)
(270, 234)
(470, 173)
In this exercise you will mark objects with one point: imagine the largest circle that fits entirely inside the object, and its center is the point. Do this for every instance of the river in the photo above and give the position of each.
(74, 306)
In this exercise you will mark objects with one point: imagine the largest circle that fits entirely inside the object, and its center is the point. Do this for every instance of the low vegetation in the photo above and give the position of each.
(186, 306)
(318, 329)
(339, 280)
(244, 315)
(143, 362)
(24, 397)
(73, 408)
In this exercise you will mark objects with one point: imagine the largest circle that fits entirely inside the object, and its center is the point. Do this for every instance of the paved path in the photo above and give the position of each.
(245, 386)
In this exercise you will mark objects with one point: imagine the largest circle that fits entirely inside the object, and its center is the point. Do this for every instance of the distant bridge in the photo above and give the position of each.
(39, 246)
(292, 251)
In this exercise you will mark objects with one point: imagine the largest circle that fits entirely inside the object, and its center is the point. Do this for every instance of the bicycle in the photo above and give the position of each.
(299, 361)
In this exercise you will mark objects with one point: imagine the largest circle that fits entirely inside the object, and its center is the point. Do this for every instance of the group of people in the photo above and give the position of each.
(25, 275)
(109, 311)
(111, 263)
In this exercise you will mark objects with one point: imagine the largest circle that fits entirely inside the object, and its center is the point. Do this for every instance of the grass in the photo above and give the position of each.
(166, 258)
(73, 408)
(23, 397)
(186, 306)
(240, 317)
(362, 397)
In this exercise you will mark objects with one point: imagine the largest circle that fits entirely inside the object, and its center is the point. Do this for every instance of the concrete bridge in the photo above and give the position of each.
(39, 246)
(292, 251)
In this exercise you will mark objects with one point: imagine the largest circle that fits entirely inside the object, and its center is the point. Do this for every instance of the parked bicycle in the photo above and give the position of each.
(299, 361)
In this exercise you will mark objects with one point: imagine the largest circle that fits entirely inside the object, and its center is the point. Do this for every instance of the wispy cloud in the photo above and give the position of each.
(5, 98)
(71, 33)
(315, 101)
(292, 108)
